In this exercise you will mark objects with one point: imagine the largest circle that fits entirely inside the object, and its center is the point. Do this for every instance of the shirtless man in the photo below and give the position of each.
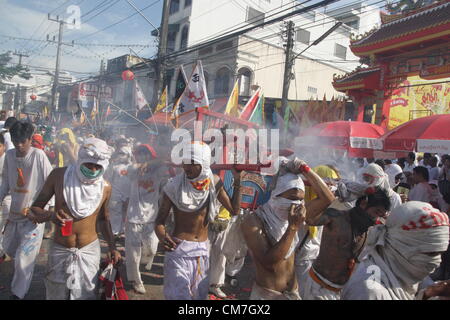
(81, 194)
(343, 239)
(192, 195)
(271, 233)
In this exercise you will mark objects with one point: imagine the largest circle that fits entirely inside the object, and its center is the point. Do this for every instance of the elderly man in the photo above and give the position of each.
(81, 198)
(374, 176)
(271, 233)
(24, 172)
(343, 239)
(192, 195)
(401, 255)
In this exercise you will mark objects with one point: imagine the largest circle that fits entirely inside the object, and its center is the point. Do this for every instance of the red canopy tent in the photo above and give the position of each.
(359, 139)
(427, 134)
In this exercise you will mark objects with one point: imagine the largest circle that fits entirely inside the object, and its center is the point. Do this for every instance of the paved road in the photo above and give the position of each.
(153, 280)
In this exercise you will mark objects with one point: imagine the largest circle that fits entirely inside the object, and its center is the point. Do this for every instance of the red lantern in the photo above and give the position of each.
(33, 97)
(127, 75)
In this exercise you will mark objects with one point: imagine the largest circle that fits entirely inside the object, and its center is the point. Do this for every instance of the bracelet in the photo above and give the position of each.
(304, 168)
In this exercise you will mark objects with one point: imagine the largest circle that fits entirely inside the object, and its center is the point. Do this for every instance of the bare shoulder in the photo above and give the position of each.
(216, 179)
(251, 222)
(57, 173)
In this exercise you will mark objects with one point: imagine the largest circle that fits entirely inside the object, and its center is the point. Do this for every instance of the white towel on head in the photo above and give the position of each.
(83, 195)
(274, 214)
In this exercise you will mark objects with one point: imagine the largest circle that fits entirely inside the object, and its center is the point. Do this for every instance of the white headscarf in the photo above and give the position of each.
(379, 178)
(274, 214)
(190, 195)
(83, 195)
(399, 246)
(392, 171)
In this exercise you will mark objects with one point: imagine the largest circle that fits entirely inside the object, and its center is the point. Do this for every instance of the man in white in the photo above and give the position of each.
(192, 195)
(117, 176)
(81, 195)
(421, 190)
(401, 255)
(395, 174)
(410, 163)
(141, 243)
(374, 176)
(24, 172)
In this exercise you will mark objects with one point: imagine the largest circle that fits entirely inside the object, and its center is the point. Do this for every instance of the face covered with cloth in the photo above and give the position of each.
(408, 247)
(83, 181)
(190, 190)
(274, 214)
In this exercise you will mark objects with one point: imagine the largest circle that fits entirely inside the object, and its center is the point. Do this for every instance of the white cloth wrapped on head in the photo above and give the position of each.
(190, 195)
(392, 171)
(274, 214)
(83, 195)
(400, 246)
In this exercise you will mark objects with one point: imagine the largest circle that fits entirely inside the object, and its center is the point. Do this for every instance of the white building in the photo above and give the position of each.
(257, 58)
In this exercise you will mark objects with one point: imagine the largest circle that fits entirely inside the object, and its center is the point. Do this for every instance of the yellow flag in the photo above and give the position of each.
(162, 103)
(94, 109)
(233, 102)
(82, 118)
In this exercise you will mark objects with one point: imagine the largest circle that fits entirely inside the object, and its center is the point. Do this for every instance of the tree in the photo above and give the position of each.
(7, 72)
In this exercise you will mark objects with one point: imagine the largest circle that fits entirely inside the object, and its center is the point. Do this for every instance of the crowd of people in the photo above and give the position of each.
(380, 231)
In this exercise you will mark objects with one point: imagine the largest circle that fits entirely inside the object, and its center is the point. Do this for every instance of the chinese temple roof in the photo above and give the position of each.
(425, 24)
(367, 78)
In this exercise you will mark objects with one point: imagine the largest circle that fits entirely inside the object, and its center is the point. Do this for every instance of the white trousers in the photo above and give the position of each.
(22, 242)
(141, 244)
(3, 218)
(117, 216)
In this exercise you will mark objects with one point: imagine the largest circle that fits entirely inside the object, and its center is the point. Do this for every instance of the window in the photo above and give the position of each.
(254, 16)
(245, 81)
(184, 37)
(224, 45)
(222, 82)
(187, 3)
(312, 90)
(171, 38)
(205, 51)
(340, 51)
(303, 36)
(174, 6)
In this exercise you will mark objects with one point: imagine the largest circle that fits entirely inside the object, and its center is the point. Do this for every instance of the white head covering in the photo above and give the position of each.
(83, 195)
(399, 246)
(274, 214)
(190, 195)
(392, 171)
(379, 178)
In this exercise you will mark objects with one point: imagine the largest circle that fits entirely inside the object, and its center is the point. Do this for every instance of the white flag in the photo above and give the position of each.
(195, 94)
(140, 100)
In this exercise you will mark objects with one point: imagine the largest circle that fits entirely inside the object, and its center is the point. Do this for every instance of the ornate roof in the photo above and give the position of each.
(360, 78)
(415, 27)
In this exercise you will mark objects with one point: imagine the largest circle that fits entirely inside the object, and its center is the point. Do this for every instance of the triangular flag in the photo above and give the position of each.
(195, 94)
(162, 103)
(108, 112)
(140, 100)
(181, 83)
(82, 118)
(258, 114)
(232, 108)
(94, 109)
(250, 106)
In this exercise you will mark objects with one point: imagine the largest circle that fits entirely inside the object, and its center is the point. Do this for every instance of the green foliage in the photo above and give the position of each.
(8, 71)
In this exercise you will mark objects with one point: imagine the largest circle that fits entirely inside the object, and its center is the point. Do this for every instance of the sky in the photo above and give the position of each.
(28, 19)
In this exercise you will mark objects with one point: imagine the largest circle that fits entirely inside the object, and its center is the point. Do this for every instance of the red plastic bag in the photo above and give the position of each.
(111, 284)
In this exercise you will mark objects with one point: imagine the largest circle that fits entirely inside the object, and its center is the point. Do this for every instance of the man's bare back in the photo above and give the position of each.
(338, 248)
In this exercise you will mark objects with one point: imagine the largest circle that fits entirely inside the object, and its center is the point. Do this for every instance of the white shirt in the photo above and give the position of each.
(434, 173)
(420, 192)
(409, 167)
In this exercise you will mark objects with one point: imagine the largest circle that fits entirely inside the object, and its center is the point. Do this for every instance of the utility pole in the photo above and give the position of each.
(54, 105)
(17, 95)
(289, 62)
(162, 49)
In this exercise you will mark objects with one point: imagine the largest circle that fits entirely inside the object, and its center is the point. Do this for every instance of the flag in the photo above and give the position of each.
(258, 114)
(162, 103)
(195, 94)
(232, 108)
(250, 106)
(108, 112)
(139, 96)
(45, 112)
(180, 85)
(94, 111)
(82, 118)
